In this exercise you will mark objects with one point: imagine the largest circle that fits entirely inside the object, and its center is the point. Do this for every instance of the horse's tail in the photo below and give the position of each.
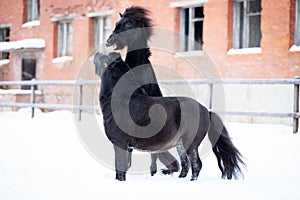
(228, 156)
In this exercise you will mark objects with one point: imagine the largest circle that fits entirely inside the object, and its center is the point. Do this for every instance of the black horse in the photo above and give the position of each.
(179, 120)
(134, 30)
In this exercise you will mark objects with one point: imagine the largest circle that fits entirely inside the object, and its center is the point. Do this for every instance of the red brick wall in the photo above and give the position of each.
(275, 61)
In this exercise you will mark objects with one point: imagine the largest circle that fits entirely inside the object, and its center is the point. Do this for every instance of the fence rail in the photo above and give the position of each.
(211, 82)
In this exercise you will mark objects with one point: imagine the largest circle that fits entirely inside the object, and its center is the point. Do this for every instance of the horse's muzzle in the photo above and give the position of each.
(110, 41)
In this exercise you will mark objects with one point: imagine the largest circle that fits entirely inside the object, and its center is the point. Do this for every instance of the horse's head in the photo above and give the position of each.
(133, 29)
(102, 61)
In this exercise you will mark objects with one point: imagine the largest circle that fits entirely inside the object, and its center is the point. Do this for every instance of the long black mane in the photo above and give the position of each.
(141, 16)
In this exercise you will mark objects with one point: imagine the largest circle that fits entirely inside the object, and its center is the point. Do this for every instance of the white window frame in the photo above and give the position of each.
(33, 10)
(64, 38)
(187, 43)
(237, 29)
(102, 26)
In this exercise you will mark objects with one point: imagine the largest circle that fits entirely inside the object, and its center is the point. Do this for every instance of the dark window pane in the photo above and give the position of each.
(199, 12)
(29, 10)
(254, 6)
(254, 31)
(198, 35)
(186, 28)
(241, 25)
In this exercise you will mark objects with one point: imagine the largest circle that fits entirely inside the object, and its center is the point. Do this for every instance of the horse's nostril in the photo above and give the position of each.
(110, 40)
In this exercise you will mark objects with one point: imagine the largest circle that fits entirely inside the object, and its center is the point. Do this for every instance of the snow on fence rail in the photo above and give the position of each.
(211, 82)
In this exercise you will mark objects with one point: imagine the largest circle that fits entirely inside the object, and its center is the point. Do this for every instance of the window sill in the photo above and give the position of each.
(62, 59)
(294, 48)
(254, 50)
(31, 24)
(189, 54)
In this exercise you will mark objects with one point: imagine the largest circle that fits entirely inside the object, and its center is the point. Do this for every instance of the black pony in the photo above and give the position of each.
(134, 30)
(184, 121)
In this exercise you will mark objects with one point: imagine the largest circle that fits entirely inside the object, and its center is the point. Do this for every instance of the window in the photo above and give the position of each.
(33, 10)
(246, 27)
(101, 29)
(191, 25)
(4, 37)
(65, 31)
(297, 24)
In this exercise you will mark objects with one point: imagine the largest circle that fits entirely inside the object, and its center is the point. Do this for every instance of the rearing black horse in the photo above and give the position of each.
(134, 30)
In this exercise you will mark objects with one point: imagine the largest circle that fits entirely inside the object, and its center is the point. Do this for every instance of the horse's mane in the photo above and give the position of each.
(140, 15)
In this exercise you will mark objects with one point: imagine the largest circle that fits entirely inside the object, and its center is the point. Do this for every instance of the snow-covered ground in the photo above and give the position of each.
(43, 158)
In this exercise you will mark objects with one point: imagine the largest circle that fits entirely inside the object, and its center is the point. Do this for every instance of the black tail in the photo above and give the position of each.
(228, 156)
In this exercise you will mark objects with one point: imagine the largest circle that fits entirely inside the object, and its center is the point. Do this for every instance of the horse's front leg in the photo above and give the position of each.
(121, 163)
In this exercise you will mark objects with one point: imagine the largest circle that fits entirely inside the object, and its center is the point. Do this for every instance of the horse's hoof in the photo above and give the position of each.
(153, 172)
(193, 178)
(168, 171)
(120, 176)
(183, 174)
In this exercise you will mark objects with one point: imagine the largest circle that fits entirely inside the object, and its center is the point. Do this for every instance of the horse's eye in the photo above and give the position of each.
(128, 25)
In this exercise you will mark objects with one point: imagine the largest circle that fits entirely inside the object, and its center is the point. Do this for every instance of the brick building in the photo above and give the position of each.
(50, 39)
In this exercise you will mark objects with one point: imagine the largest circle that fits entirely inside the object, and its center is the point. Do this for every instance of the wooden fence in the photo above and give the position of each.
(211, 82)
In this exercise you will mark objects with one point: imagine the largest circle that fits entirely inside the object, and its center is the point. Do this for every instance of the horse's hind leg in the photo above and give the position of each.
(195, 163)
(185, 163)
(121, 163)
(129, 158)
(169, 161)
(153, 167)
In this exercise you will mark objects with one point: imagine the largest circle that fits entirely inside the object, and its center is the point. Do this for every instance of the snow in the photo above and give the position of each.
(295, 48)
(189, 54)
(62, 59)
(43, 158)
(31, 24)
(187, 3)
(23, 44)
(18, 91)
(4, 62)
(254, 50)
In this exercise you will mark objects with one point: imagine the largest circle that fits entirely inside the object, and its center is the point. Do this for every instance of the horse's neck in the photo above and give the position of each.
(137, 57)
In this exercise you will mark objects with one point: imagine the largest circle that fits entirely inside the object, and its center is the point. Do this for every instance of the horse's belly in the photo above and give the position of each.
(157, 144)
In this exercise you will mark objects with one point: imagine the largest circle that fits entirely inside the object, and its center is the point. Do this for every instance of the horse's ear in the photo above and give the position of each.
(121, 15)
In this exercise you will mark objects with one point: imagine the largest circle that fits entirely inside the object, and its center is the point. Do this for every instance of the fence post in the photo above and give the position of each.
(80, 90)
(296, 106)
(32, 97)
